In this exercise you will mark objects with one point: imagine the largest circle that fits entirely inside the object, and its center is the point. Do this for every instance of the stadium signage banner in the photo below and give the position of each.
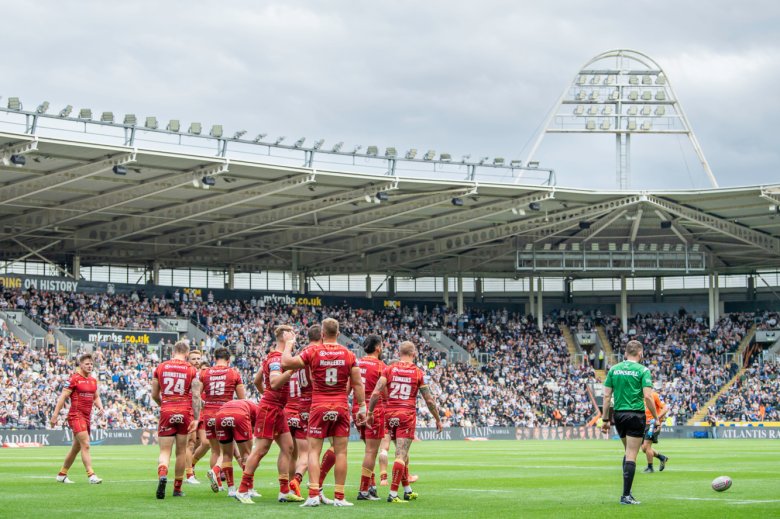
(60, 437)
(98, 335)
(45, 284)
(290, 300)
(767, 335)
(752, 433)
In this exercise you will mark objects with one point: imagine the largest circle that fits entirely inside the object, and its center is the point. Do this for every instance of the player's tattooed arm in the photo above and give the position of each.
(427, 395)
(197, 403)
(378, 389)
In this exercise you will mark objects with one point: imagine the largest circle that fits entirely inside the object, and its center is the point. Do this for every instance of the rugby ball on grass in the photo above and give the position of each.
(721, 484)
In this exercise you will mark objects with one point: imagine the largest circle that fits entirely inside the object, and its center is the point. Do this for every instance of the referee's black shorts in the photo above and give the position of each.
(630, 423)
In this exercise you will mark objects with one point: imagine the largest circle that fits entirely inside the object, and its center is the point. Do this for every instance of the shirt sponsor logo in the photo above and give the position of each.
(625, 372)
(228, 421)
(294, 423)
(176, 418)
(394, 422)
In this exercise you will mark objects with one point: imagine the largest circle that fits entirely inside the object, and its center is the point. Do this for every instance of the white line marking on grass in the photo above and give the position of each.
(729, 501)
(482, 490)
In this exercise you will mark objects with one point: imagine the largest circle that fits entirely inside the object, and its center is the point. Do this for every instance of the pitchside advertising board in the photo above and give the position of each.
(104, 335)
(11, 438)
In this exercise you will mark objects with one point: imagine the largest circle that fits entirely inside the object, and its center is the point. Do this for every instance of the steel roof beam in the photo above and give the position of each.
(25, 188)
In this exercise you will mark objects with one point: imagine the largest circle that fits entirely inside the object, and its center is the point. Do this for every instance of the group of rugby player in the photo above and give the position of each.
(304, 401)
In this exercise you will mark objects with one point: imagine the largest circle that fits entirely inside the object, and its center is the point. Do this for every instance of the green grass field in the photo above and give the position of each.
(498, 479)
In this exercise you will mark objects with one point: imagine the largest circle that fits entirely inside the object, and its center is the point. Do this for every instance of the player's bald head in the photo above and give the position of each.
(407, 349)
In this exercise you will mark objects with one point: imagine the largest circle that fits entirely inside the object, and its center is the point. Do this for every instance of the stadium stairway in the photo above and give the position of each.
(605, 344)
(571, 345)
(439, 341)
(701, 414)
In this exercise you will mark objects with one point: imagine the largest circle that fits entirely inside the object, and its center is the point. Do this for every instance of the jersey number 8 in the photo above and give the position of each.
(331, 376)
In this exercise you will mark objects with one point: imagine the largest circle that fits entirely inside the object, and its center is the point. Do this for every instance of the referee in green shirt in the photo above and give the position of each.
(632, 387)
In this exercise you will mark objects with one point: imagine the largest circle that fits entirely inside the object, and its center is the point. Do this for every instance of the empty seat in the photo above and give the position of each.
(647, 95)
(632, 110)
(661, 110)
(579, 110)
(660, 95)
(590, 125)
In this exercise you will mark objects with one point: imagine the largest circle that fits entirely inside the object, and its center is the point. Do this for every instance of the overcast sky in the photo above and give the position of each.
(454, 76)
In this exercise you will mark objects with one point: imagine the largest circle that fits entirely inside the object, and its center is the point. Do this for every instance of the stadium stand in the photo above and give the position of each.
(753, 398)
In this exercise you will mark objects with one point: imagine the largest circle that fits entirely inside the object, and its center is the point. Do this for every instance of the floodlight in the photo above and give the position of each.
(605, 124)
(195, 128)
(660, 96)
(445, 157)
(195, 182)
(318, 144)
(666, 224)
(357, 149)
(429, 155)
(515, 163)
(391, 152)
(584, 225)
(151, 123)
(65, 112)
(498, 161)
(119, 169)
(661, 110)
(85, 113)
(590, 125)
(173, 126)
(535, 206)
(653, 247)
(594, 247)
(612, 247)
(382, 196)
(633, 80)
(667, 246)
(107, 117)
(43, 107)
(483, 160)
(14, 103)
(464, 158)
(411, 154)
(518, 211)
(260, 137)
(18, 160)
(239, 134)
(216, 131)
(647, 125)
(130, 120)
(457, 201)
(533, 164)
(372, 151)
(647, 95)
(337, 147)
(208, 180)
(368, 199)
(299, 142)
(695, 247)
(642, 247)
(279, 140)
(579, 110)
(547, 246)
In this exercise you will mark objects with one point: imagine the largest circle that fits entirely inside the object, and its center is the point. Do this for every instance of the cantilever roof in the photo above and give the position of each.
(67, 201)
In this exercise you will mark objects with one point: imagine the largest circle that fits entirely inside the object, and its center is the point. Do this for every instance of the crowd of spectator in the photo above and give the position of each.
(754, 397)
(689, 362)
(517, 375)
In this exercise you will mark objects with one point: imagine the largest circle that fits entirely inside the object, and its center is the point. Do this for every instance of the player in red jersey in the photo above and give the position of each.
(297, 414)
(271, 424)
(219, 382)
(82, 389)
(371, 369)
(333, 370)
(234, 422)
(176, 390)
(402, 380)
(192, 438)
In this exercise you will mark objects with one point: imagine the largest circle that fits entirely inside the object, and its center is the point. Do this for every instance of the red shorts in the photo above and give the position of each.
(208, 422)
(270, 422)
(328, 420)
(298, 422)
(79, 423)
(401, 424)
(232, 425)
(174, 422)
(376, 431)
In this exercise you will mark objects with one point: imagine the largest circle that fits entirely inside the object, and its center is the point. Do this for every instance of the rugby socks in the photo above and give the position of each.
(339, 493)
(162, 471)
(328, 460)
(190, 473)
(405, 479)
(298, 477)
(228, 471)
(247, 482)
(373, 480)
(628, 477)
(90, 473)
(365, 480)
(177, 484)
(217, 474)
(399, 469)
(624, 463)
(284, 483)
(63, 471)
(314, 490)
(383, 476)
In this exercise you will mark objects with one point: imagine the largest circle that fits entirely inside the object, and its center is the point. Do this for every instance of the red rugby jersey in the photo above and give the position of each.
(219, 384)
(371, 370)
(404, 379)
(82, 394)
(274, 397)
(331, 367)
(175, 378)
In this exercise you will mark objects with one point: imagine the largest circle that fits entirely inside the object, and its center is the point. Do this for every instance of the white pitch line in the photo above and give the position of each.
(481, 490)
(729, 501)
